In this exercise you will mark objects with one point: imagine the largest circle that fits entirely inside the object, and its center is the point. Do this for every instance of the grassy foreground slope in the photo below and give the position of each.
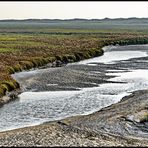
(32, 43)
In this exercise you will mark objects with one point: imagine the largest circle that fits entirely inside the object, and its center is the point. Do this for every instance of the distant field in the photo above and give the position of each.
(132, 24)
(33, 43)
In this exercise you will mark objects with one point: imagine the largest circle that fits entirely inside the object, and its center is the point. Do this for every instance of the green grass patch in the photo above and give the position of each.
(145, 118)
(9, 86)
(17, 68)
(10, 70)
(3, 50)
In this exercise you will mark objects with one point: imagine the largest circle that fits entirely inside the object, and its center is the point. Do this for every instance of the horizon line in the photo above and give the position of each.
(21, 19)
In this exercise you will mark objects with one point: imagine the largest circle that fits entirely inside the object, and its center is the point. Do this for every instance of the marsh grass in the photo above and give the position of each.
(23, 51)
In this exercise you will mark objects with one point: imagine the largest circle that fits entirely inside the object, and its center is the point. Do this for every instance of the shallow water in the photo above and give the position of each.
(34, 108)
(114, 56)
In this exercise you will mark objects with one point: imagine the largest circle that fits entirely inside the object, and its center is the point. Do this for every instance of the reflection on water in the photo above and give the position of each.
(114, 56)
(37, 107)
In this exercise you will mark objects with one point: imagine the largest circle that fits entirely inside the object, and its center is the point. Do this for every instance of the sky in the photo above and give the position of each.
(72, 9)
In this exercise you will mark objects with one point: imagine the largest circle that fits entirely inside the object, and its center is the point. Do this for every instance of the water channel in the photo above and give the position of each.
(79, 88)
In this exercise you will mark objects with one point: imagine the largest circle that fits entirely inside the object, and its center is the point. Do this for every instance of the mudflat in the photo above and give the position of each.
(120, 124)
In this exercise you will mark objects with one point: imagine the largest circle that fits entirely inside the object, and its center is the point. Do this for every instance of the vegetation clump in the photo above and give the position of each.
(145, 118)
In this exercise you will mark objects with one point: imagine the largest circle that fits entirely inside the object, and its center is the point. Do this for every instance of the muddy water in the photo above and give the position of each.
(78, 88)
